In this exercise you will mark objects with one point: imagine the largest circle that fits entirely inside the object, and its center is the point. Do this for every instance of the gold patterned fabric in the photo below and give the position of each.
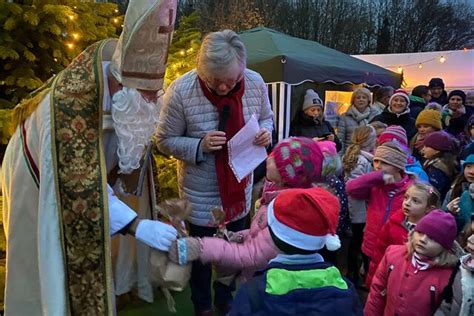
(79, 164)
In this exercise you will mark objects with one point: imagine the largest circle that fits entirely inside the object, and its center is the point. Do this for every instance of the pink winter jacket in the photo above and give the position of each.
(397, 290)
(383, 201)
(251, 255)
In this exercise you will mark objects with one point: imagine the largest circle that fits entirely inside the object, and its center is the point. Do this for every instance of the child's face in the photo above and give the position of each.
(426, 246)
(469, 172)
(314, 111)
(272, 172)
(415, 204)
(424, 129)
(385, 167)
(429, 152)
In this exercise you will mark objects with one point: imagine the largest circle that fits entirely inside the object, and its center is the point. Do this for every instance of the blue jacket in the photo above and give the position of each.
(308, 289)
(414, 167)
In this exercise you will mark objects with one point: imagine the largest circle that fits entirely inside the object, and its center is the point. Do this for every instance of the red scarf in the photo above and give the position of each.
(232, 192)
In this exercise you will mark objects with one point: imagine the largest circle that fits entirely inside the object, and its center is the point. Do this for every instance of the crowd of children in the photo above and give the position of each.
(396, 186)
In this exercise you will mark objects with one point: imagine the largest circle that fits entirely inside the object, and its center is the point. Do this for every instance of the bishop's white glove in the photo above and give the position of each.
(156, 234)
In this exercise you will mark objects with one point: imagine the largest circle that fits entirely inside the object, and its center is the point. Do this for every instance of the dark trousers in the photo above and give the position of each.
(353, 261)
(201, 274)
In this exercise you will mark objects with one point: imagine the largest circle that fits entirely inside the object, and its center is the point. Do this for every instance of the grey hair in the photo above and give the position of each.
(218, 50)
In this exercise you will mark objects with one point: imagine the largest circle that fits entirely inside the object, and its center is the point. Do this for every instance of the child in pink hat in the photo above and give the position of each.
(295, 162)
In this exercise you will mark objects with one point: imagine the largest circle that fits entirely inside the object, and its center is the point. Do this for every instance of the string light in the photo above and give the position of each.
(182, 52)
(71, 17)
(70, 45)
(116, 11)
(75, 36)
(440, 59)
(465, 49)
(115, 20)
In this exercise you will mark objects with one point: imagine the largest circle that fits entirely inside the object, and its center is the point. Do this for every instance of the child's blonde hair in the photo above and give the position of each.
(433, 196)
(446, 258)
(363, 137)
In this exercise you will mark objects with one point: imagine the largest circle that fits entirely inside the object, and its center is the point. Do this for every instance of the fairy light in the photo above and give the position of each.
(420, 65)
(182, 52)
(116, 11)
(71, 17)
(442, 59)
(75, 36)
(465, 49)
(400, 69)
(115, 20)
(70, 45)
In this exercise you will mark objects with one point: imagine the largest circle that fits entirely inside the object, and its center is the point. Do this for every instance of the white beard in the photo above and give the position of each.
(135, 122)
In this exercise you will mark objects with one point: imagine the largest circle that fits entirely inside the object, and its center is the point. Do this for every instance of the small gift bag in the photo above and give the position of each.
(164, 273)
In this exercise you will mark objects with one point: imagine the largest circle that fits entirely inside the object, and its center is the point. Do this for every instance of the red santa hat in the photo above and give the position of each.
(305, 219)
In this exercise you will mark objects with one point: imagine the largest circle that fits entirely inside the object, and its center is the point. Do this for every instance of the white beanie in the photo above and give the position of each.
(311, 98)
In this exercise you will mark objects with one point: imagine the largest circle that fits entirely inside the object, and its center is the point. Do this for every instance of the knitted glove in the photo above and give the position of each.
(235, 237)
(185, 250)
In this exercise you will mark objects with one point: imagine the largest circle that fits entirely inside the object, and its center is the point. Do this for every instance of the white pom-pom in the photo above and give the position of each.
(332, 242)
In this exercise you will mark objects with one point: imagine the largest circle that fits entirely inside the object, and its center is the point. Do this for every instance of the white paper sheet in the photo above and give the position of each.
(244, 156)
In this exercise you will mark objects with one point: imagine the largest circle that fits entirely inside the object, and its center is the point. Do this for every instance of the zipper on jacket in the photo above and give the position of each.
(433, 298)
(391, 194)
(390, 268)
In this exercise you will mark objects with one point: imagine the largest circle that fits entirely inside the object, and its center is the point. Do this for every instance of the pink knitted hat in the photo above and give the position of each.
(394, 133)
(299, 161)
(439, 226)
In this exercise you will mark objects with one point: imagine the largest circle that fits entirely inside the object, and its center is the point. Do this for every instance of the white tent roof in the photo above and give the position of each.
(457, 71)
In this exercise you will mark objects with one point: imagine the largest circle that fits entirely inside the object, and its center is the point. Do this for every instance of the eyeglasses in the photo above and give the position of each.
(214, 83)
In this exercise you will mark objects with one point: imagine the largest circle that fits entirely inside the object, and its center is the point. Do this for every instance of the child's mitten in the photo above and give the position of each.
(185, 250)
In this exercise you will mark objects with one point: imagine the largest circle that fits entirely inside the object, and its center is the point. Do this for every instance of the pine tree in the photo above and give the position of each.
(38, 40)
(182, 57)
(184, 47)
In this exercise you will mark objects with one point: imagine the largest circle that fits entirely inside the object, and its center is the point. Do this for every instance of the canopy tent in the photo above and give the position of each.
(286, 62)
(456, 70)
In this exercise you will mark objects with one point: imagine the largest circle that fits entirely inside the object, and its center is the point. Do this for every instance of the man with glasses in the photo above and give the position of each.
(203, 110)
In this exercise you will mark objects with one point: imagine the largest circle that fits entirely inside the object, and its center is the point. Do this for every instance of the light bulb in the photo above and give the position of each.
(400, 69)
(75, 35)
(442, 59)
(420, 65)
(70, 45)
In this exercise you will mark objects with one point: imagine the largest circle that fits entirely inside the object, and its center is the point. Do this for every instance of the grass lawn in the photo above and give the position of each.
(137, 307)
